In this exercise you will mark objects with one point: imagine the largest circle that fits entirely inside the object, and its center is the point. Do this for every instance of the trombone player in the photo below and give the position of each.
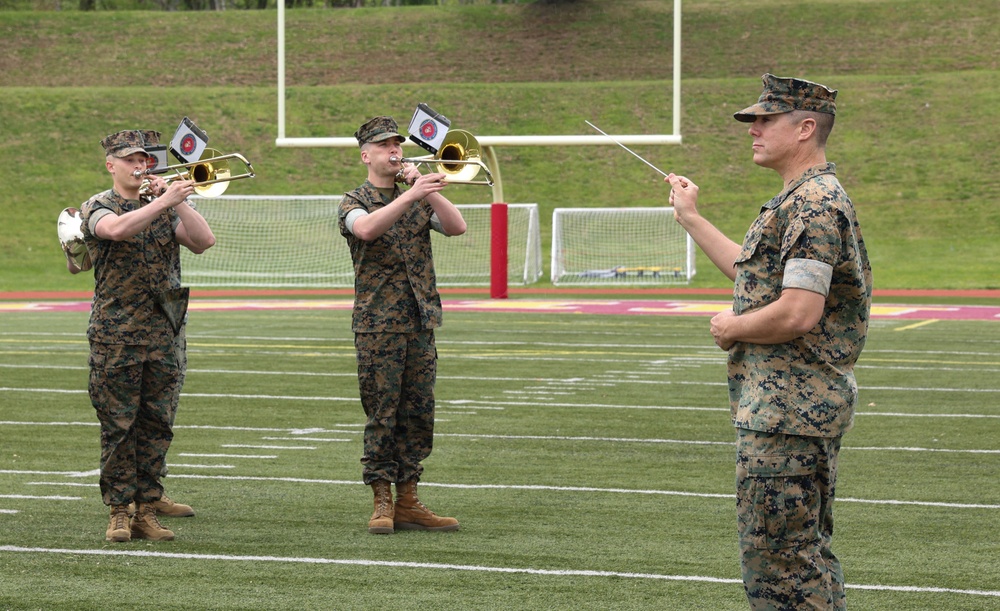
(138, 354)
(396, 309)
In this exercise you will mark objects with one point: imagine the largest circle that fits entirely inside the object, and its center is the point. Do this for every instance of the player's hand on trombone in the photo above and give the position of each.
(171, 192)
(426, 184)
(408, 172)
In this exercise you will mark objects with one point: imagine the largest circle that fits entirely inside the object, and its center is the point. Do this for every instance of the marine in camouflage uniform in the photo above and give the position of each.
(396, 309)
(801, 304)
(137, 342)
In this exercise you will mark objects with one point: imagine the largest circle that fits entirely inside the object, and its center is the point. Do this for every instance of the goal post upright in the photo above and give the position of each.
(282, 139)
(498, 285)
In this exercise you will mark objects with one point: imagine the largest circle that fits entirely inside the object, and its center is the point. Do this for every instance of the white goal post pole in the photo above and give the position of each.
(677, 71)
(501, 141)
(498, 285)
(281, 72)
(486, 141)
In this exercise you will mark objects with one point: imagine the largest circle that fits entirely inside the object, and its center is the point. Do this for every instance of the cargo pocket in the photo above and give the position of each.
(779, 502)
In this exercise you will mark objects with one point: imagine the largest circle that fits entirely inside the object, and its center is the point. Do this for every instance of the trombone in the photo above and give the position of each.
(211, 174)
(458, 159)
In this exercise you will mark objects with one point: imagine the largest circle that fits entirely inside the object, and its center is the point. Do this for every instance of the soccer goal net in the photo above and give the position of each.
(618, 246)
(295, 242)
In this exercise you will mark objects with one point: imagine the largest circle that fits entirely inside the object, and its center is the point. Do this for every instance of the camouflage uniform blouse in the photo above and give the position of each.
(395, 289)
(129, 275)
(805, 386)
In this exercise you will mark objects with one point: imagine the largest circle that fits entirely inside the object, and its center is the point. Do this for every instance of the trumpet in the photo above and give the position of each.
(211, 174)
(458, 159)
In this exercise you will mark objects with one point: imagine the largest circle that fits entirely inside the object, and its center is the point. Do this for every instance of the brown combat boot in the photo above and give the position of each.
(146, 526)
(381, 520)
(411, 514)
(119, 529)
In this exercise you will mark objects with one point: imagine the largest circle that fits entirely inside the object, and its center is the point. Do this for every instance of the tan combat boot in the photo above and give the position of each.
(411, 514)
(119, 529)
(167, 507)
(381, 520)
(146, 526)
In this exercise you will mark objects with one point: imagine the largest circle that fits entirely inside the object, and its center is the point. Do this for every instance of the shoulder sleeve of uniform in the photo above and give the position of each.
(94, 209)
(351, 201)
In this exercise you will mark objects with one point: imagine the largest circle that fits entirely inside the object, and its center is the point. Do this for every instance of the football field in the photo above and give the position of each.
(585, 447)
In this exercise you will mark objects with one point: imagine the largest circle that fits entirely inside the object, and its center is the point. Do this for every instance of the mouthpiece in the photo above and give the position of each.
(394, 159)
(138, 173)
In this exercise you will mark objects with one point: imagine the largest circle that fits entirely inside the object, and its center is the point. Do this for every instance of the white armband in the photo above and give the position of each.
(809, 275)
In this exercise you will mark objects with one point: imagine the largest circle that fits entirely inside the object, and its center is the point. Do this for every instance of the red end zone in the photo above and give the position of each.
(535, 306)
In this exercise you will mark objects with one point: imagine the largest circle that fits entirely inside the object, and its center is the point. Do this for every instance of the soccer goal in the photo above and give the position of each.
(272, 242)
(620, 246)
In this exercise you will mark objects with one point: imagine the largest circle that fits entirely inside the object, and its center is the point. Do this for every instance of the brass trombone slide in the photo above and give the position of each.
(208, 173)
(458, 159)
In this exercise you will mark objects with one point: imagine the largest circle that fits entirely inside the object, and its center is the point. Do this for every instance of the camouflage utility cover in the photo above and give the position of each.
(783, 95)
(377, 130)
(124, 143)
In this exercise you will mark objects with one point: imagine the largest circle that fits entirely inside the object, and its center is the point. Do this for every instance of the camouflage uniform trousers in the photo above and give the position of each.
(785, 487)
(396, 375)
(135, 391)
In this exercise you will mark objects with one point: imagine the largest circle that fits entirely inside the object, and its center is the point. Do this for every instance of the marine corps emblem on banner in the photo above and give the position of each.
(428, 128)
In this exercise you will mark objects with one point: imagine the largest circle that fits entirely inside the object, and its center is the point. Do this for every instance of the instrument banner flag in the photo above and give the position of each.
(189, 142)
(428, 128)
(157, 161)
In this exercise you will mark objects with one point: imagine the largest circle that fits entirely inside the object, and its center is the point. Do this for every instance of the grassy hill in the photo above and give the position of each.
(915, 142)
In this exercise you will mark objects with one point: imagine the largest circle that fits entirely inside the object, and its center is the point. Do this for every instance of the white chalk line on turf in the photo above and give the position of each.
(537, 487)
(526, 487)
(458, 567)
(32, 497)
(694, 442)
(584, 438)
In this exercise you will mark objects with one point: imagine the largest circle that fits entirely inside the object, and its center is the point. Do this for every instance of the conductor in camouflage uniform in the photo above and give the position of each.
(801, 304)
(396, 309)
(137, 343)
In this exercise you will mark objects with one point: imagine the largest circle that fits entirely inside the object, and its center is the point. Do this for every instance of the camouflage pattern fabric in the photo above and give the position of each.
(135, 390)
(138, 360)
(805, 386)
(782, 94)
(396, 375)
(377, 130)
(150, 137)
(785, 487)
(128, 275)
(125, 142)
(396, 308)
(792, 402)
(395, 286)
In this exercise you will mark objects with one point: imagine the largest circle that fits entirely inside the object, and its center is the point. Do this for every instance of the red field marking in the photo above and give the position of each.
(514, 292)
(651, 307)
